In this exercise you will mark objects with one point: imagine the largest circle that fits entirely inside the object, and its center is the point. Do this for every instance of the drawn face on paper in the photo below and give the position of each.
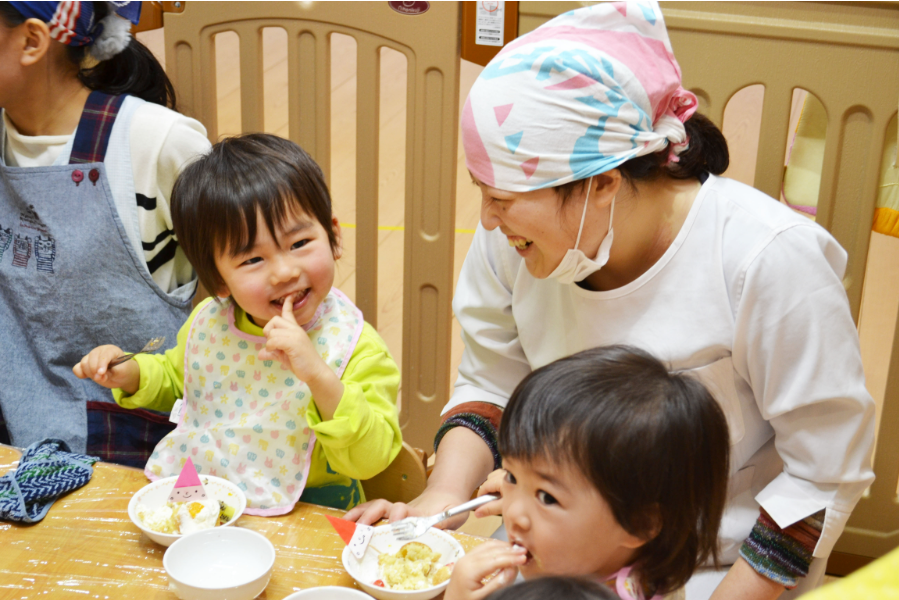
(187, 494)
(361, 538)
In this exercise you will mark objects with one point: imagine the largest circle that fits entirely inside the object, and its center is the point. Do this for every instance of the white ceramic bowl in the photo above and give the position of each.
(156, 494)
(328, 592)
(366, 571)
(230, 563)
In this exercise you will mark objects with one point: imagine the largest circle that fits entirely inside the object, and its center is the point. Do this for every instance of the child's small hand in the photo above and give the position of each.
(493, 485)
(95, 366)
(289, 343)
(494, 558)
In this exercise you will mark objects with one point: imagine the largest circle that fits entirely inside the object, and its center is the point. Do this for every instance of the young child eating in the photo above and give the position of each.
(281, 359)
(592, 485)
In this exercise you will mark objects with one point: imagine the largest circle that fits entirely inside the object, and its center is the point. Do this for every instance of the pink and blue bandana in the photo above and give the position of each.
(576, 97)
(72, 22)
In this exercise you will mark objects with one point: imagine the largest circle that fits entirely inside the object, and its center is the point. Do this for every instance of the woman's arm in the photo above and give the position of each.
(743, 583)
(492, 365)
(162, 143)
(796, 345)
(463, 462)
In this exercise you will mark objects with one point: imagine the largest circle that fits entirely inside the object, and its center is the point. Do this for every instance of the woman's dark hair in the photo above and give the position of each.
(707, 153)
(555, 588)
(654, 444)
(216, 199)
(133, 71)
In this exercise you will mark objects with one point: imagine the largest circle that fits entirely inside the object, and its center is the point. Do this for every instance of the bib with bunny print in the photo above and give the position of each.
(244, 419)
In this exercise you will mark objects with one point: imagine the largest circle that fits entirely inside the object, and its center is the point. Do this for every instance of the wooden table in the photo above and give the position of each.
(87, 547)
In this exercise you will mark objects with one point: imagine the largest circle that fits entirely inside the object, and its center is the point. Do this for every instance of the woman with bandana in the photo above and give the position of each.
(605, 221)
(90, 147)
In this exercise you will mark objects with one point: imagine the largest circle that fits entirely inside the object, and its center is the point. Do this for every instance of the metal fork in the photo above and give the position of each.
(154, 344)
(413, 527)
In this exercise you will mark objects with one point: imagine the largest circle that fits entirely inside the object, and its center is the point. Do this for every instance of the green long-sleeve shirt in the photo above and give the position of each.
(358, 443)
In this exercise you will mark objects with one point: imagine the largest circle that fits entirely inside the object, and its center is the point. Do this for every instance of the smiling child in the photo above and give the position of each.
(590, 485)
(286, 390)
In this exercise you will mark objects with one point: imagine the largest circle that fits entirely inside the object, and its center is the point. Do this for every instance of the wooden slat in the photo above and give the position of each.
(205, 82)
(430, 216)
(252, 88)
(309, 60)
(873, 529)
(368, 115)
(769, 166)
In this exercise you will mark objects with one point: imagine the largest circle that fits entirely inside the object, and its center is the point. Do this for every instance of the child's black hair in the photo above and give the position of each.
(216, 199)
(555, 588)
(133, 71)
(654, 444)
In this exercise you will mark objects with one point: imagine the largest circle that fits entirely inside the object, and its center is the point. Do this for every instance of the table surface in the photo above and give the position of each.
(87, 547)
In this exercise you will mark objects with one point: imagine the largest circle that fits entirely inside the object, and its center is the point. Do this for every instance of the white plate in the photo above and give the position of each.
(328, 592)
(156, 494)
(366, 571)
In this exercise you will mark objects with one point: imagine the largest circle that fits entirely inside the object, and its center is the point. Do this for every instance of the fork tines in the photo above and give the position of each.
(403, 530)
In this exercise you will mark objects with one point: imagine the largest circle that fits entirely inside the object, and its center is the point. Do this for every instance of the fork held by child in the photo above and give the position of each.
(151, 346)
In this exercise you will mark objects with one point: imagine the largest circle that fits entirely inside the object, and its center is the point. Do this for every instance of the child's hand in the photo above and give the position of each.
(95, 366)
(496, 558)
(289, 343)
(493, 485)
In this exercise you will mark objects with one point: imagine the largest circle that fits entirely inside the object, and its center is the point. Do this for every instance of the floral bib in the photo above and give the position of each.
(244, 419)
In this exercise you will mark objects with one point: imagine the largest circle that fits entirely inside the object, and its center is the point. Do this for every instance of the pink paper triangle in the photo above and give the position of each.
(529, 166)
(188, 476)
(621, 7)
(345, 528)
(502, 112)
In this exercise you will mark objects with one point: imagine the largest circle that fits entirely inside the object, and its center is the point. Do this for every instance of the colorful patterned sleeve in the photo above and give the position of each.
(782, 555)
(482, 418)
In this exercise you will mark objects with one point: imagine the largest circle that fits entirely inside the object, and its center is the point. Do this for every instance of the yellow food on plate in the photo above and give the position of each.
(185, 517)
(413, 567)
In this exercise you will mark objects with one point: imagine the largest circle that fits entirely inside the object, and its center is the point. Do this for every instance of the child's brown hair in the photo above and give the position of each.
(216, 199)
(654, 444)
(555, 588)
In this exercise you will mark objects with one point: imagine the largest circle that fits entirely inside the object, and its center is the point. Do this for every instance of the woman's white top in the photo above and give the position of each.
(749, 298)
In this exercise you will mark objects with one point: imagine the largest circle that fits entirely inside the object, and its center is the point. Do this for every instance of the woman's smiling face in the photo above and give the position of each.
(563, 522)
(540, 226)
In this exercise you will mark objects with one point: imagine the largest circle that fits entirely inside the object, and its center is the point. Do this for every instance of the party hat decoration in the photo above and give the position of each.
(354, 535)
(188, 487)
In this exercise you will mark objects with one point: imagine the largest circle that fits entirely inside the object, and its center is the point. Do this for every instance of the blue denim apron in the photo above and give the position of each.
(71, 280)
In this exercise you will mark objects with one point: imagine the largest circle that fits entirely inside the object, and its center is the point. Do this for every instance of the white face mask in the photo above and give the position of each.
(575, 266)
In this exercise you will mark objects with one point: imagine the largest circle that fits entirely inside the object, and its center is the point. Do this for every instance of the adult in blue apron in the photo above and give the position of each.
(71, 280)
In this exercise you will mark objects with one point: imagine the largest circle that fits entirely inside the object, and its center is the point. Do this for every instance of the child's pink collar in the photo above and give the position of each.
(627, 587)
